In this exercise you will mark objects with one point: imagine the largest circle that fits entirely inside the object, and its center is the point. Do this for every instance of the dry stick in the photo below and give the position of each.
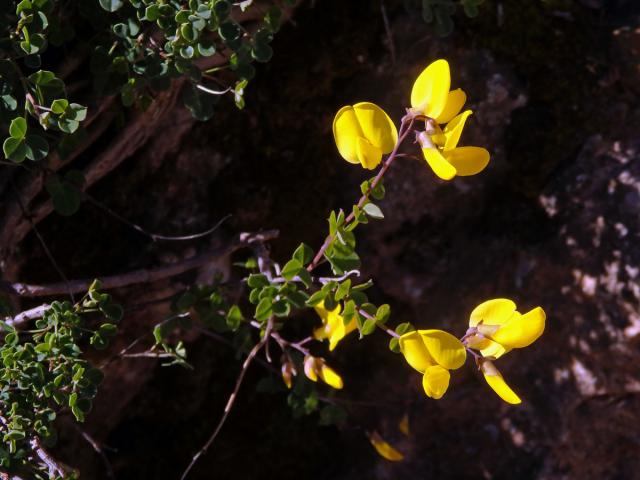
(153, 236)
(139, 276)
(387, 27)
(405, 128)
(98, 449)
(45, 247)
(232, 398)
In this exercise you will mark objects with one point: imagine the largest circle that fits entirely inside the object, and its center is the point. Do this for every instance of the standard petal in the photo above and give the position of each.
(376, 126)
(453, 130)
(455, 102)
(384, 449)
(468, 160)
(436, 381)
(330, 377)
(497, 383)
(444, 348)
(415, 352)
(438, 164)
(368, 155)
(492, 312)
(346, 130)
(431, 89)
(521, 330)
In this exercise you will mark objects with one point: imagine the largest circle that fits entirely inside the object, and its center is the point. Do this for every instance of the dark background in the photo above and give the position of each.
(553, 221)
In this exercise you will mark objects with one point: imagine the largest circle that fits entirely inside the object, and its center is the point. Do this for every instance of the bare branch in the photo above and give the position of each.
(140, 276)
(232, 398)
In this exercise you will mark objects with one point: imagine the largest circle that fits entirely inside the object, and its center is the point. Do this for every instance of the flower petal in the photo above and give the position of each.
(492, 312)
(384, 449)
(330, 377)
(435, 381)
(403, 425)
(521, 330)
(310, 368)
(468, 160)
(493, 349)
(438, 164)
(376, 126)
(444, 348)
(455, 102)
(368, 155)
(346, 130)
(497, 383)
(453, 130)
(431, 89)
(415, 352)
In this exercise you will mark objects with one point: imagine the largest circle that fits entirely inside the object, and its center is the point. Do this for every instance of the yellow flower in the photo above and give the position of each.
(495, 328)
(363, 133)
(433, 353)
(430, 97)
(333, 326)
(384, 449)
(497, 383)
(315, 368)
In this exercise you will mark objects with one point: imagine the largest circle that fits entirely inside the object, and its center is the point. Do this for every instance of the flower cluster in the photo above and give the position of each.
(364, 132)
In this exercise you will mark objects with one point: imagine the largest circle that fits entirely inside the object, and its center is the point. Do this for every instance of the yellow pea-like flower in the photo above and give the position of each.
(447, 160)
(333, 327)
(363, 133)
(315, 368)
(384, 449)
(433, 353)
(501, 328)
(495, 380)
(430, 91)
(432, 98)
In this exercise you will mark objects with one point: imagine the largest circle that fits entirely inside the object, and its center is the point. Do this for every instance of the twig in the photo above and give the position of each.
(385, 329)
(387, 28)
(232, 398)
(153, 236)
(45, 247)
(98, 449)
(142, 275)
(405, 128)
(55, 468)
(27, 315)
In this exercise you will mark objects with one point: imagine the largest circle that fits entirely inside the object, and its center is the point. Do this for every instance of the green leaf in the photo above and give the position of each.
(304, 254)
(316, 298)
(234, 318)
(257, 280)
(343, 289)
(264, 309)
(18, 128)
(305, 277)
(281, 308)
(111, 5)
(112, 311)
(262, 52)
(373, 211)
(199, 103)
(291, 269)
(66, 200)
(332, 415)
(14, 149)
(368, 327)
(383, 312)
(37, 147)
(348, 312)
(59, 106)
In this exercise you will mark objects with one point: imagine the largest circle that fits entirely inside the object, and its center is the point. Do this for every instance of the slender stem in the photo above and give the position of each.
(387, 330)
(405, 128)
(232, 398)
